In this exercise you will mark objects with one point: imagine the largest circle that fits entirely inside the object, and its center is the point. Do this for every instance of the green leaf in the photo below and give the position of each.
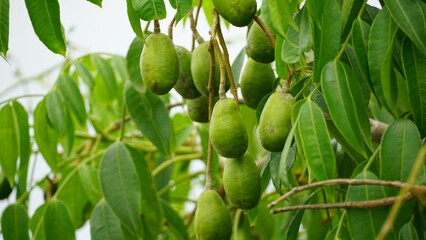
(9, 144)
(365, 223)
(14, 223)
(91, 187)
(150, 9)
(45, 135)
(104, 224)
(46, 21)
(345, 100)
(96, 2)
(133, 64)
(279, 63)
(120, 185)
(134, 20)
(315, 142)
(36, 223)
(410, 17)
(74, 100)
(238, 64)
(182, 7)
(293, 228)
(151, 116)
(349, 12)
(107, 74)
(4, 26)
(57, 112)
(84, 73)
(274, 163)
(415, 74)
(380, 47)
(57, 221)
(360, 33)
(174, 222)
(327, 37)
(282, 15)
(23, 133)
(305, 39)
(400, 144)
(408, 232)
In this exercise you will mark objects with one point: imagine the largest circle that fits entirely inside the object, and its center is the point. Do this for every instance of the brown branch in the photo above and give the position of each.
(172, 105)
(377, 130)
(193, 26)
(265, 29)
(358, 204)
(171, 27)
(338, 181)
(200, 3)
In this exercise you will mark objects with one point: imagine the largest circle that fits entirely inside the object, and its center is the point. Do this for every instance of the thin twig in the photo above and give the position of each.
(338, 181)
(193, 26)
(222, 91)
(200, 3)
(265, 29)
(357, 204)
(179, 158)
(171, 27)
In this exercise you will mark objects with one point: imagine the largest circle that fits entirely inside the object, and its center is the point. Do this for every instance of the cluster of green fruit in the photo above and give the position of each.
(164, 66)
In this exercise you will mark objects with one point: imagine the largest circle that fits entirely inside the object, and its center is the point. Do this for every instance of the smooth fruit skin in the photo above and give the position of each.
(159, 64)
(200, 69)
(256, 82)
(237, 12)
(185, 84)
(259, 48)
(275, 121)
(198, 108)
(228, 134)
(241, 181)
(212, 220)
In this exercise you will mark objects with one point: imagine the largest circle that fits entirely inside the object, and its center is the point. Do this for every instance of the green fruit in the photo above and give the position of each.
(256, 82)
(237, 12)
(258, 45)
(200, 69)
(212, 220)
(198, 108)
(275, 121)
(185, 85)
(241, 181)
(159, 64)
(228, 134)
(5, 188)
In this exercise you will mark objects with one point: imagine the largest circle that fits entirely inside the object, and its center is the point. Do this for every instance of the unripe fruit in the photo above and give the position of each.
(198, 108)
(159, 64)
(228, 134)
(241, 181)
(5, 188)
(185, 84)
(256, 82)
(237, 12)
(258, 45)
(275, 121)
(200, 69)
(212, 220)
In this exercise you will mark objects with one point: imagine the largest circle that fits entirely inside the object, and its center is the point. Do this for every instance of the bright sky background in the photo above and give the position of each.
(88, 29)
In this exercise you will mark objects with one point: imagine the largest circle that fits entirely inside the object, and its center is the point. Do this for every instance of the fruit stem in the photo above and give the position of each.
(200, 3)
(265, 29)
(227, 62)
(211, 103)
(171, 27)
(193, 26)
(157, 28)
(222, 92)
(237, 218)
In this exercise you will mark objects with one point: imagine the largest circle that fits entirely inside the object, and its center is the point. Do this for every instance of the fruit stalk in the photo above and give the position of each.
(193, 26)
(222, 70)
(157, 26)
(265, 29)
(171, 27)
(200, 3)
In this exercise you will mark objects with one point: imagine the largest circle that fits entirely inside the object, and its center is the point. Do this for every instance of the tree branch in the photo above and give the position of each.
(265, 29)
(193, 26)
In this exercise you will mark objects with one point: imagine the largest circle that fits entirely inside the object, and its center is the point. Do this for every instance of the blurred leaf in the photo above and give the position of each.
(380, 47)
(120, 185)
(57, 112)
(305, 39)
(9, 145)
(345, 103)
(84, 73)
(57, 221)
(408, 232)
(150, 9)
(4, 26)
(96, 2)
(14, 223)
(266, 16)
(135, 21)
(46, 21)
(183, 127)
(182, 7)
(415, 74)
(74, 100)
(91, 186)
(174, 222)
(104, 224)
(282, 15)
(133, 64)
(207, 7)
(327, 36)
(108, 76)
(410, 17)
(400, 144)
(151, 116)
(37, 223)
(237, 65)
(23, 129)
(315, 142)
